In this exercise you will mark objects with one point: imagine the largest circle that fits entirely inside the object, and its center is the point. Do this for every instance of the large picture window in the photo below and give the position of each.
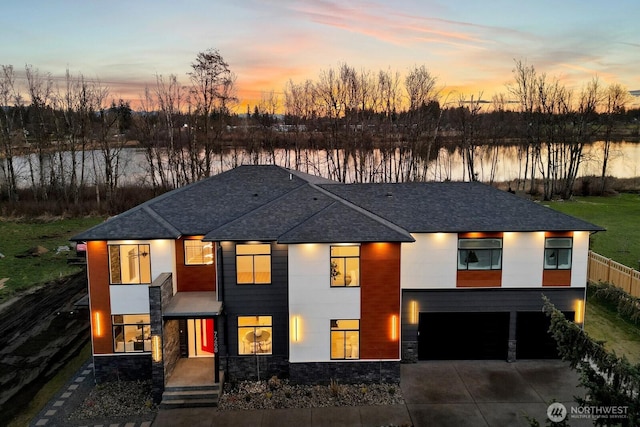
(253, 263)
(197, 252)
(345, 266)
(254, 334)
(131, 333)
(130, 264)
(345, 339)
(479, 254)
(557, 253)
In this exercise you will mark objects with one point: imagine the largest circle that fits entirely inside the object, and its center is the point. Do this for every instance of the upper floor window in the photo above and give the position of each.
(479, 254)
(131, 333)
(129, 264)
(345, 339)
(557, 253)
(345, 266)
(197, 252)
(253, 263)
(254, 334)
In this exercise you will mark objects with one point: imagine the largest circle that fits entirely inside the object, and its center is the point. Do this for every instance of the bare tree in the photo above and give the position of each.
(11, 132)
(616, 97)
(212, 89)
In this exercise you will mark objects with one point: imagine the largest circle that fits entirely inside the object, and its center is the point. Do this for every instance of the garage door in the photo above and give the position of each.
(533, 340)
(463, 336)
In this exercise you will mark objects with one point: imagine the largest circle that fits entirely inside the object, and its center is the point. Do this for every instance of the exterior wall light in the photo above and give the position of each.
(156, 348)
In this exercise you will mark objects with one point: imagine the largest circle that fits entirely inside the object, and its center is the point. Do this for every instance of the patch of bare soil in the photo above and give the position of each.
(40, 330)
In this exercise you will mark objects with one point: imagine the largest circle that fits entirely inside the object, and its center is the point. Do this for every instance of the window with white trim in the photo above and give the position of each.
(345, 266)
(255, 334)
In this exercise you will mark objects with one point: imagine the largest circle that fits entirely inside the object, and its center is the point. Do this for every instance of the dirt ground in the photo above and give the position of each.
(39, 331)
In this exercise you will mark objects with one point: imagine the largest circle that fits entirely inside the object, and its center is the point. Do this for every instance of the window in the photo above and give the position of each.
(197, 252)
(253, 263)
(254, 335)
(479, 254)
(345, 339)
(345, 266)
(129, 264)
(131, 333)
(557, 253)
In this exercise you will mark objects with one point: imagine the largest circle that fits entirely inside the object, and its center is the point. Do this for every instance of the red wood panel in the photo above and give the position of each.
(193, 278)
(556, 278)
(558, 234)
(98, 273)
(379, 300)
(479, 279)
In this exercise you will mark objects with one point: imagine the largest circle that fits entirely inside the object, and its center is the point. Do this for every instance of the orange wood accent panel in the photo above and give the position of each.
(479, 279)
(556, 278)
(558, 234)
(193, 278)
(98, 274)
(379, 300)
(480, 235)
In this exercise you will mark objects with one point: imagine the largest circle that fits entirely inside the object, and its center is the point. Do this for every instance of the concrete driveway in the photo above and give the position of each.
(437, 393)
(486, 393)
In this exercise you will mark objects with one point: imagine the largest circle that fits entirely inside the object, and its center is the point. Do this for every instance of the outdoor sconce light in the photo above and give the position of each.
(394, 328)
(297, 328)
(156, 348)
(579, 316)
(413, 312)
(97, 324)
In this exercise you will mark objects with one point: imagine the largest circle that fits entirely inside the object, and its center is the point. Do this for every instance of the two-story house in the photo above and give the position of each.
(266, 271)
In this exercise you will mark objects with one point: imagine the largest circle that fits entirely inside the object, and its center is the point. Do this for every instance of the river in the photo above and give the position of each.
(624, 162)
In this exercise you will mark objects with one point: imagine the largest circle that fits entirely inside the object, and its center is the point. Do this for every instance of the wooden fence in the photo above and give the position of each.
(603, 269)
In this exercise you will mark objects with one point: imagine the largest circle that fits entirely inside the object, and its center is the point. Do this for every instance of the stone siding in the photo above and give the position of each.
(123, 367)
(409, 351)
(247, 368)
(345, 372)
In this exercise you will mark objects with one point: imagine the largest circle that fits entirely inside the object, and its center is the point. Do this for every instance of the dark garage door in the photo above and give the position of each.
(463, 336)
(533, 340)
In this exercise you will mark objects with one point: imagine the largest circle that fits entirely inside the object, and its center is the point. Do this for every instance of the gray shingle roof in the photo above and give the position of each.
(274, 204)
(456, 207)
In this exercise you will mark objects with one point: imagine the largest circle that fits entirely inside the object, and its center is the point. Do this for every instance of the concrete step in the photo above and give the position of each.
(190, 395)
(190, 403)
(215, 387)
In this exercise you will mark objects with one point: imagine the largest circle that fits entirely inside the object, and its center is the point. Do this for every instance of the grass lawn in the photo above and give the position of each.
(603, 324)
(18, 236)
(620, 215)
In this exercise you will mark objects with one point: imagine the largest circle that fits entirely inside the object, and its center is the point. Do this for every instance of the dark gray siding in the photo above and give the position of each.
(253, 300)
(480, 300)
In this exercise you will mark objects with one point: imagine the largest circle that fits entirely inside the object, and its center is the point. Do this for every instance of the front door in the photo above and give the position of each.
(200, 337)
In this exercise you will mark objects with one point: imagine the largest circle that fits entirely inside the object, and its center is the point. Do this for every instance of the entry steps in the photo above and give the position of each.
(190, 396)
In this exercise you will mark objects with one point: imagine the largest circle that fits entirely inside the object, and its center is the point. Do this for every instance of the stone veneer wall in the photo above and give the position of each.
(128, 366)
(160, 293)
(247, 368)
(345, 372)
(171, 346)
(409, 351)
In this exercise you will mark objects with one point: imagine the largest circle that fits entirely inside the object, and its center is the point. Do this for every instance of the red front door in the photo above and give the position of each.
(206, 335)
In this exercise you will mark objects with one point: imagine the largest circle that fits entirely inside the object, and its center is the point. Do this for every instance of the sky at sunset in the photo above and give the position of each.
(469, 45)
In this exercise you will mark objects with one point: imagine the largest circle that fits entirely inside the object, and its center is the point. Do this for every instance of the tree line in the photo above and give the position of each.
(349, 125)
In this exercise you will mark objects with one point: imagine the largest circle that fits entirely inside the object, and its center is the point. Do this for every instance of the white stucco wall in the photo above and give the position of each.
(430, 262)
(313, 302)
(580, 259)
(129, 299)
(522, 259)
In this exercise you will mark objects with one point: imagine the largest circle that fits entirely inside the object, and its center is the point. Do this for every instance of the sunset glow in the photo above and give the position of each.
(469, 46)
